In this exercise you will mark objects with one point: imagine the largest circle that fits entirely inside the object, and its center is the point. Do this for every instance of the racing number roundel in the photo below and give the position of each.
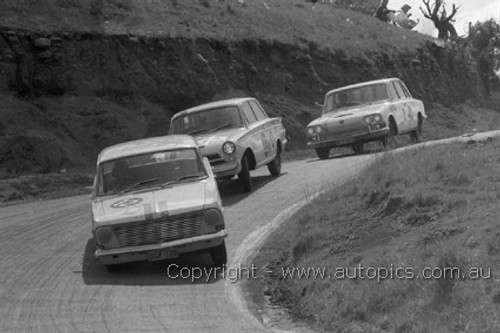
(126, 202)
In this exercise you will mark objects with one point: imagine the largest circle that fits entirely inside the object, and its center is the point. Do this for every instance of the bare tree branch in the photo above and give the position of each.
(438, 14)
(429, 10)
(437, 5)
(454, 10)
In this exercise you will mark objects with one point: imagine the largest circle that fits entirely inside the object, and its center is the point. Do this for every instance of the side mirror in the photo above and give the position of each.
(318, 105)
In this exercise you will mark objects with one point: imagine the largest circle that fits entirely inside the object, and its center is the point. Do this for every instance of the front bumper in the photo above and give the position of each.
(227, 169)
(348, 140)
(140, 253)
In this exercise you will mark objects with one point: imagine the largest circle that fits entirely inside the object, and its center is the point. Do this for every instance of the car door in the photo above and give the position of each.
(406, 107)
(254, 138)
(412, 107)
(267, 130)
(396, 106)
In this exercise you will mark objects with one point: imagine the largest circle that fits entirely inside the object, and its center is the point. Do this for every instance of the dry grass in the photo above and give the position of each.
(288, 21)
(434, 207)
(46, 186)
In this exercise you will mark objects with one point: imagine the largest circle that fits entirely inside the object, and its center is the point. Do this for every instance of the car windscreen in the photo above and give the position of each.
(149, 170)
(210, 120)
(356, 96)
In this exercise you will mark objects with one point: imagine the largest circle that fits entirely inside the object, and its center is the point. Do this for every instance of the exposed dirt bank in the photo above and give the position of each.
(76, 93)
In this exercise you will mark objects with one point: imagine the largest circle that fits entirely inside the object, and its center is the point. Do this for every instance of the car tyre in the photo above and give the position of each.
(219, 255)
(275, 165)
(113, 268)
(244, 175)
(323, 153)
(389, 140)
(359, 148)
(415, 134)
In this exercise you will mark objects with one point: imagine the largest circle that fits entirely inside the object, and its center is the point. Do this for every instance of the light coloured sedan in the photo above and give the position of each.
(370, 111)
(236, 136)
(154, 199)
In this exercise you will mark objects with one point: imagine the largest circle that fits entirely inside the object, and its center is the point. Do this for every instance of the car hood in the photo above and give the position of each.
(212, 142)
(151, 204)
(361, 111)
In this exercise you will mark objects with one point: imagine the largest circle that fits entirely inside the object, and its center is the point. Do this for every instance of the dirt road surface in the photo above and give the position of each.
(52, 283)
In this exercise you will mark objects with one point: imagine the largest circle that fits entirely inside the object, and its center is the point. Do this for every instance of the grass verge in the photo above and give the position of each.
(428, 217)
(43, 186)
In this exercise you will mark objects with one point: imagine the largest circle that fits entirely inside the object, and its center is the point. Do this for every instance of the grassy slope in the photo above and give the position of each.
(434, 207)
(288, 21)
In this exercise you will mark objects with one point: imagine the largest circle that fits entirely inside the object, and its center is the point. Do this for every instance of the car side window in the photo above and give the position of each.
(392, 91)
(400, 91)
(257, 110)
(405, 89)
(248, 113)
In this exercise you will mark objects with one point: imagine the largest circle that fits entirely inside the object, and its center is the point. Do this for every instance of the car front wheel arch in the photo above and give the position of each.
(393, 126)
(250, 159)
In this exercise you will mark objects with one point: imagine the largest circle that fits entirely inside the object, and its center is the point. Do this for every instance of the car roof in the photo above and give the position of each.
(147, 145)
(213, 105)
(362, 84)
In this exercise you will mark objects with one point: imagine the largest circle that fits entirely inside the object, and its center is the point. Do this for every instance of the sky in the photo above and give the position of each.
(469, 11)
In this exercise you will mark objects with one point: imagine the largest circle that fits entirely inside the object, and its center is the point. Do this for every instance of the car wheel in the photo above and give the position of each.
(244, 175)
(219, 255)
(323, 153)
(415, 134)
(275, 165)
(113, 268)
(390, 141)
(359, 148)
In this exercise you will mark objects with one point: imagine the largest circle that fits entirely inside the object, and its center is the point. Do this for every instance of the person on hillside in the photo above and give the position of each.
(403, 18)
(382, 12)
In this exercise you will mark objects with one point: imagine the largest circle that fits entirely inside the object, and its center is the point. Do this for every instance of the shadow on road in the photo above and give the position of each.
(231, 192)
(348, 153)
(168, 272)
(332, 157)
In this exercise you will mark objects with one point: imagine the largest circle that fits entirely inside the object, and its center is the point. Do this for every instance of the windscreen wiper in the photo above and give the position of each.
(139, 183)
(198, 131)
(221, 127)
(178, 179)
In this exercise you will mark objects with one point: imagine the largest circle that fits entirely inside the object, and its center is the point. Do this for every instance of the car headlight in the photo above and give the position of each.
(314, 130)
(104, 235)
(373, 119)
(213, 217)
(228, 147)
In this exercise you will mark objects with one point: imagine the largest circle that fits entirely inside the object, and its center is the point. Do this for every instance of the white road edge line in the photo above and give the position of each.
(250, 246)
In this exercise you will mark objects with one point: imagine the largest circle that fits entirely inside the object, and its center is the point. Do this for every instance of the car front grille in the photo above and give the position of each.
(160, 230)
(346, 134)
(215, 159)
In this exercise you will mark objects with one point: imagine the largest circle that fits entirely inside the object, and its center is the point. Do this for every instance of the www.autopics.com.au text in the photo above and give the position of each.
(360, 272)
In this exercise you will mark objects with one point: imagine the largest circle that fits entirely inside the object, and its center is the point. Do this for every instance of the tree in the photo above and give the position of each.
(484, 38)
(442, 21)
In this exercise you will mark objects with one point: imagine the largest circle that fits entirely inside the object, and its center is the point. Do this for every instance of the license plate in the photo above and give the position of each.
(162, 254)
(345, 141)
